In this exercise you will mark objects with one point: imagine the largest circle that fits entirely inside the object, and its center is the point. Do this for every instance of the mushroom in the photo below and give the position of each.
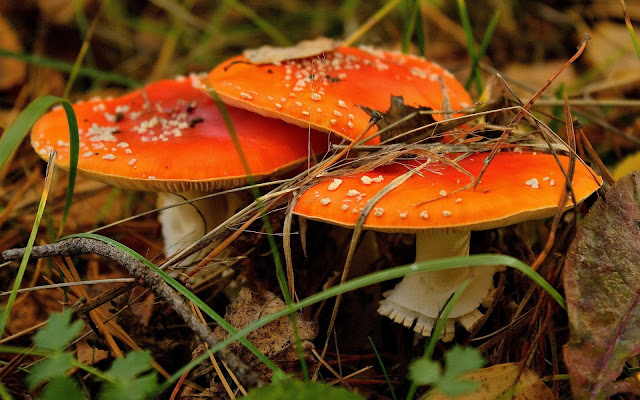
(170, 137)
(331, 91)
(439, 205)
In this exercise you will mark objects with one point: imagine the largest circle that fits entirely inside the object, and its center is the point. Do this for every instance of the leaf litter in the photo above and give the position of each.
(602, 286)
(391, 358)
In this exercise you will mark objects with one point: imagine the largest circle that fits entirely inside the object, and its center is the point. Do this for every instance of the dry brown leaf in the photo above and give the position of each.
(33, 308)
(602, 288)
(611, 47)
(537, 74)
(304, 49)
(504, 381)
(12, 72)
(275, 339)
(88, 354)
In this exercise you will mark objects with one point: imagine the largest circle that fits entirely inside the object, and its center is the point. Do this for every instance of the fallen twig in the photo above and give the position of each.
(148, 278)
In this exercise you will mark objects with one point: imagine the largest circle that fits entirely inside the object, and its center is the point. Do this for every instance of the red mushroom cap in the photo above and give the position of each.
(325, 92)
(515, 187)
(170, 136)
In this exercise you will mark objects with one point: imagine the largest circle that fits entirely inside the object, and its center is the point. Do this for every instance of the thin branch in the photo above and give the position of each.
(145, 276)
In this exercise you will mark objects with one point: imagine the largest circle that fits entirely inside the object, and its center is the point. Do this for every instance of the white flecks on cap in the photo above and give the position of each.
(424, 214)
(443, 193)
(344, 207)
(446, 213)
(552, 183)
(366, 180)
(335, 184)
(403, 214)
(533, 183)
(316, 97)
(108, 157)
(353, 192)
(325, 201)
(378, 211)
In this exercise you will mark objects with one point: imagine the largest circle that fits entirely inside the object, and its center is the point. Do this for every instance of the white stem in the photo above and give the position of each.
(183, 225)
(419, 297)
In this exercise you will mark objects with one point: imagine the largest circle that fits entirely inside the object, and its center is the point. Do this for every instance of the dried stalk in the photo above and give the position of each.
(147, 277)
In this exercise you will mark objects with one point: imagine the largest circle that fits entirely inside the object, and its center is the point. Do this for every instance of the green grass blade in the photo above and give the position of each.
(68, 68)
(443, 315)
(488, 260)
(632, 32)
(475, 65)
(74, 149)
(186, 293)
(384, 370)
(10, 140)
(32, 238)
(442, 318)
(471, 45)
(281, 275)
(4, 393)
(398, 272)
(375, 18)
(18, 131)
(411, 19)
(260, 22)
(466, 25)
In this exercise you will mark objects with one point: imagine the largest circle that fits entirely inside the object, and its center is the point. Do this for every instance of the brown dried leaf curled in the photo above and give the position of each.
(504, 381)
(304, 49)
(275, 340)
(602, 286)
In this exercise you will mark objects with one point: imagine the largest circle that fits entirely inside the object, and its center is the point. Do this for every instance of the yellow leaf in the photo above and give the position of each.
(628, 164)
(504, 381)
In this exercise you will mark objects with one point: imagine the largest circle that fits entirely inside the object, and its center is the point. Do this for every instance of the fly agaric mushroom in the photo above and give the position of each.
(435, 205)
(331, 91)
(170, 137)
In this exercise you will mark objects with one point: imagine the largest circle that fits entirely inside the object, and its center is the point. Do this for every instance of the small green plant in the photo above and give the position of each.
(450, 381)
(128, 378)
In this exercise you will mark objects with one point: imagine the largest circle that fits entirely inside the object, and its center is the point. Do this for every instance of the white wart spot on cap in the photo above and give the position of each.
(366, 180)
(533, 183)
(335, 184)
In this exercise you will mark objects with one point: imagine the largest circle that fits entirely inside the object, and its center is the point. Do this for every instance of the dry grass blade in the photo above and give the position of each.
(356, 235)
(567, 192)
(526, 108)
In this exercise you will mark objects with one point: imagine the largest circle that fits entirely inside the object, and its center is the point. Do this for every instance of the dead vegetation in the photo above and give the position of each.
(587, 113)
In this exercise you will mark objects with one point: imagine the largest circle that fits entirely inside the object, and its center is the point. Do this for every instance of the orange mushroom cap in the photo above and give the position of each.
(170, 136)
(515, 187)
(325, 92)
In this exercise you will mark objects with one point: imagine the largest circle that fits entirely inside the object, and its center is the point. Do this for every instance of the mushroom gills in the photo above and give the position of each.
(418, 298)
